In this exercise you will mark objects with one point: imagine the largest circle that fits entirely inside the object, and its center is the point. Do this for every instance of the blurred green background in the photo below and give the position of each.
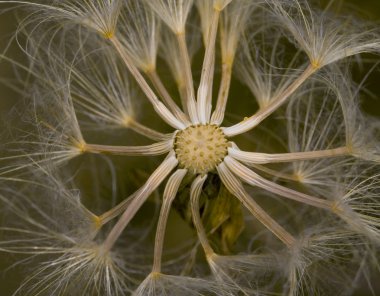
(368, 9)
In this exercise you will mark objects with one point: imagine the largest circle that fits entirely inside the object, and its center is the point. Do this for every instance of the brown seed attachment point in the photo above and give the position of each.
(200, 148)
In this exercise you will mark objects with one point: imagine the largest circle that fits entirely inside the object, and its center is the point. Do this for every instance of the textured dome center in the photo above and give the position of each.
(200, 148)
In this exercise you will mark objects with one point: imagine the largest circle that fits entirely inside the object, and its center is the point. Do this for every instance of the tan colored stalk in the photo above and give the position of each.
(153, 149)
(204, 90)
(224, 89)
(189, 84)
(158, 106)
(116, 211)
(237, 189)
(274, 173)
(182, 94)
(263, 158)
(142, 195)
(195, 192)
(146, 131)
(254, 179)
(170, 193)
(163, 92)
(250, 122)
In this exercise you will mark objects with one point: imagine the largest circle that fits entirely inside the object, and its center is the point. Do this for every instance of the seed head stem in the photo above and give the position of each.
(237, 189)
(204, 90)
(141, 196)
(195, 192)
(170, 193)
(190, 96)
(218, 114)
(160, 108)
(249, 123)
(161, 89)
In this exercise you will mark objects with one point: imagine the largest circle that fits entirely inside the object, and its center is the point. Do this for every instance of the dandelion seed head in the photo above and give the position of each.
(309, 141)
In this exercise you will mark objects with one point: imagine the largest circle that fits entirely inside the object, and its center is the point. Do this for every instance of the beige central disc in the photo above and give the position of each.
(200, 148)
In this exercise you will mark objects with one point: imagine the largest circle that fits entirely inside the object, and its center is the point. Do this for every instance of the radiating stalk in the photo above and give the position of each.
(158, 106)
(224, 89)
(204, 91)
(274, 173)
(142, 195)
(237, 189)
(249, 123)
(163, 92)
(263, 158)
(183, 95)
(146, 131)
(189, 84)
(254, 179)
(153, 149)
(170, 193)
(117, 210)
(195, 192)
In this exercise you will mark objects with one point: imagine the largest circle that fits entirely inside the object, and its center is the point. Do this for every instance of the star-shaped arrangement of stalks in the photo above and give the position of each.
(294, 61)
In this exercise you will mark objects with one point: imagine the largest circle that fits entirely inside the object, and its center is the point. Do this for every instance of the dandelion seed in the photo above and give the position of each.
(325, 39)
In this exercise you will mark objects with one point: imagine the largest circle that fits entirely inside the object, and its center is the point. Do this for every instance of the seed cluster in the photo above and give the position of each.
(200, 148)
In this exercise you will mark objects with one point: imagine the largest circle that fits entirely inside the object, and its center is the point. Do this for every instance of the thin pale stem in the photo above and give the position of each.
(263, 158)
(209, 96)
(266, 170)
(249, 123)
(158, 106)
(195, 192)
(224, 89)
(153, 149)
(146, 131)
(254, 179)
(237, 189)
(116, 211)
(163, 92)
(274, 173)
(183, 96)
(141, 196)
(170, 193)
(190, 96)
(204, 90)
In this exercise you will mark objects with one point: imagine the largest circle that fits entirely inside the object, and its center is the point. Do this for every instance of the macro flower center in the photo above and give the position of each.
(200, 148)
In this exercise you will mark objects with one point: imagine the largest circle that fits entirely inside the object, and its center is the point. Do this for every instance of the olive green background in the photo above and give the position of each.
(369, 9)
